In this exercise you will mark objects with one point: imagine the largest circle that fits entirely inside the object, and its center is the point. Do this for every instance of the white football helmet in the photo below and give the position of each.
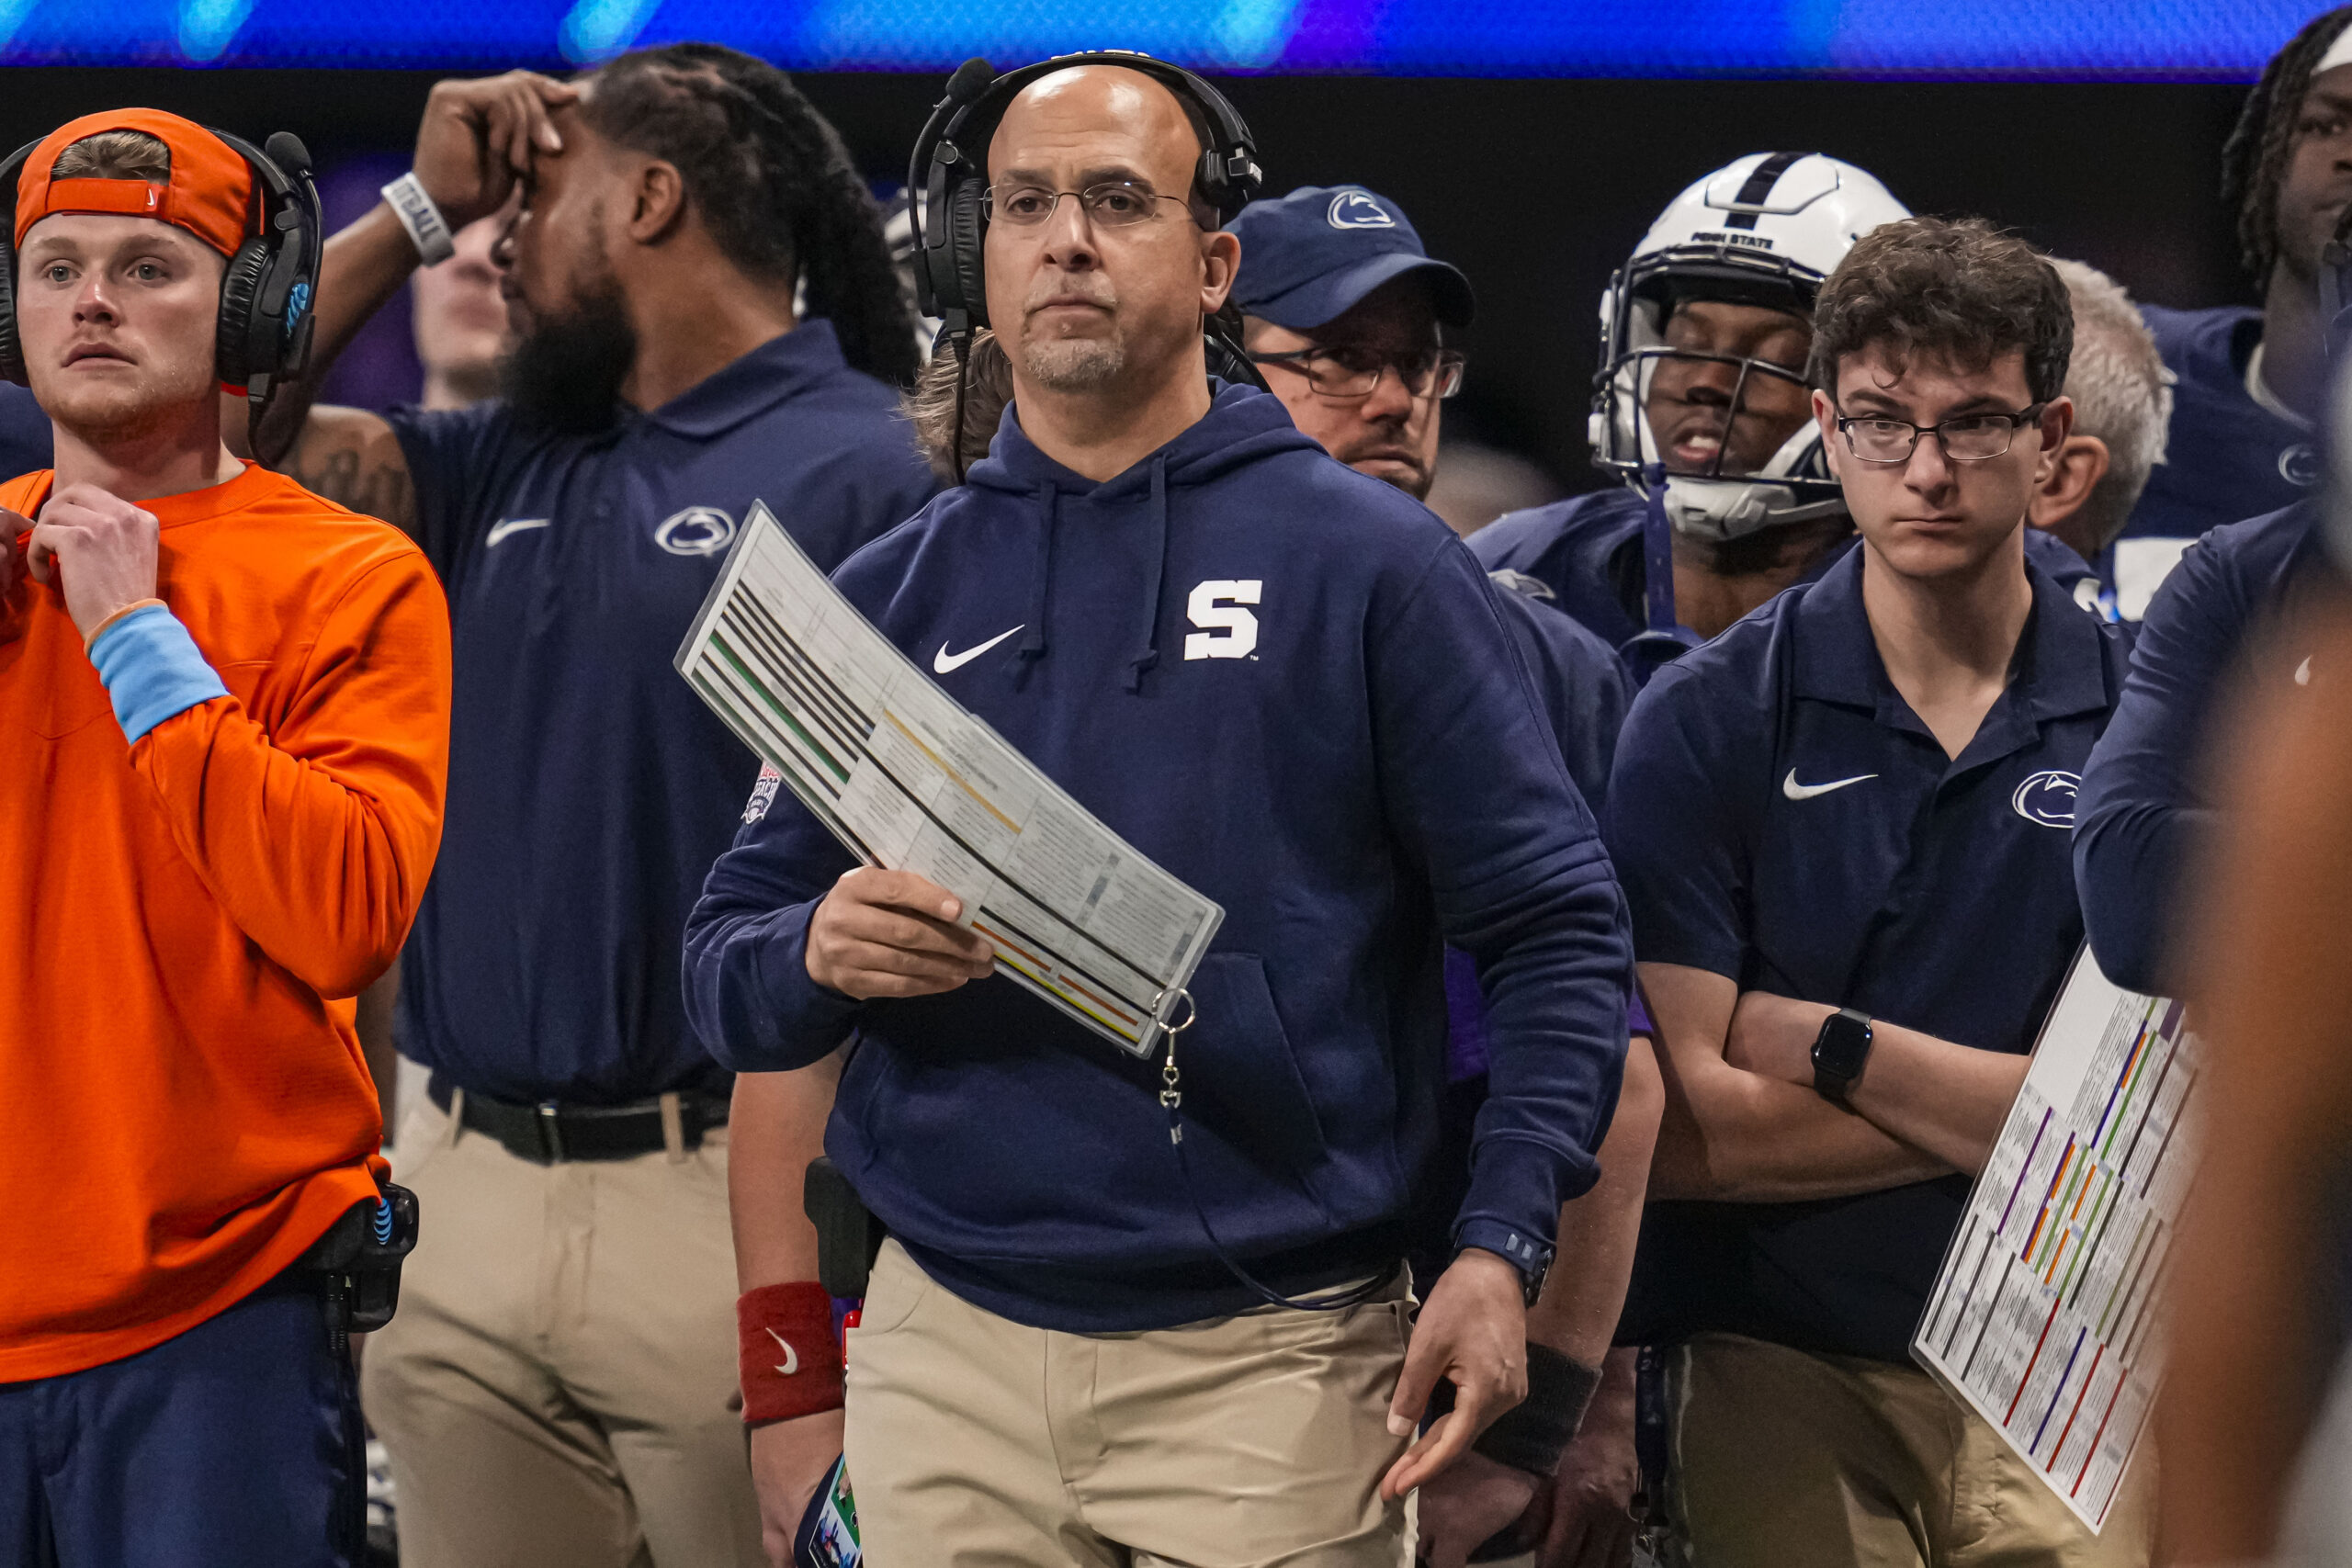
(1765, 230)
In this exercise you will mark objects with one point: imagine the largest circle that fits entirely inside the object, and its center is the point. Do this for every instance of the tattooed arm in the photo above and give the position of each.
(352, 458)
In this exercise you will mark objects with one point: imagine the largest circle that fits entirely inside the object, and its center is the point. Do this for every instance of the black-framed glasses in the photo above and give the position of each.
(1113, 204)
(1346, 374)
(1968, 438)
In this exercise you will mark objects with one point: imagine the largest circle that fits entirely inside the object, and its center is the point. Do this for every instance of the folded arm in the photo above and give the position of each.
(1946, 1099)
(1751, 1136)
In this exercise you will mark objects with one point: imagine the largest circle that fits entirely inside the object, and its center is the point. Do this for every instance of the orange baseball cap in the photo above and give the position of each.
(211, 196)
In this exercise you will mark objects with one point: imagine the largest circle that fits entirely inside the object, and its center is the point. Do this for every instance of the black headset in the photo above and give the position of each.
(948, 176)
(265, 331)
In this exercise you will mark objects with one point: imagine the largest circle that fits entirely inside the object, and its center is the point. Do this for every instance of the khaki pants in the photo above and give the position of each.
(558, 1387)
(1260, 1440)
(1787, 1460)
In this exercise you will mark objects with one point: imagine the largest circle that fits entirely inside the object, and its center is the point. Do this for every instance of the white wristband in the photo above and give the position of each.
(427, 230)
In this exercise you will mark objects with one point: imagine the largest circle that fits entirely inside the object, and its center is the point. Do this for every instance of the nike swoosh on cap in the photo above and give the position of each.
(1796, 791)
(943, 663)
(506, 527)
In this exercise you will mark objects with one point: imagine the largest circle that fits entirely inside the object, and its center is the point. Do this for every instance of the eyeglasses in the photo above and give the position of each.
(1970, 438)
(1113, 204)
(1347, 374)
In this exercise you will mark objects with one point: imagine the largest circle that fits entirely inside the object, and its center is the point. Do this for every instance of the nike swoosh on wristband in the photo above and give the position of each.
(791, 1357)
(501, 529)
(943, 663)
(1796, 791)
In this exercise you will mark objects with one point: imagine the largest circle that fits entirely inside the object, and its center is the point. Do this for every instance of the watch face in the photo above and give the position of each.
(1844, 1045)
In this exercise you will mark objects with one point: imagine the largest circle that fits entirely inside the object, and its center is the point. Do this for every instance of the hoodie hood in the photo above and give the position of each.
(1243, 426)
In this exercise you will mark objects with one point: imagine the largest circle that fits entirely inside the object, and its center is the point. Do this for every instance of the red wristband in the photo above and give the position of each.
(787, 1358)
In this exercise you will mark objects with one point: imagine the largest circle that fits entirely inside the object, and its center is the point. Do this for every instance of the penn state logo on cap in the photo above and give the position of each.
(2048, 798)
(1360, 209)
(696, 531)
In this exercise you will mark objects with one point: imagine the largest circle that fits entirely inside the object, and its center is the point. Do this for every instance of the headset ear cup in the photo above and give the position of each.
(12, 352)
(965, 236)
(232, 353)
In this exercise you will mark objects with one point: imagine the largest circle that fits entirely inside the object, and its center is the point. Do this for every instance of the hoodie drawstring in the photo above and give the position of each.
(1033, 646)
(1155, 569)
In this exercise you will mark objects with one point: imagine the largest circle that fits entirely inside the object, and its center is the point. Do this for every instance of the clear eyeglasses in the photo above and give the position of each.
(1345, 374)
(1113, 204)
(1969, 438)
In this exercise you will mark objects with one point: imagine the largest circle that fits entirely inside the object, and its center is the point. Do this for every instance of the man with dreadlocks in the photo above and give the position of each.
(2250, 382)
(562, 1389)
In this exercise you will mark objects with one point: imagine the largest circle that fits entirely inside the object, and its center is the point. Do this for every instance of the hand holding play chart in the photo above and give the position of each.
(909, 780)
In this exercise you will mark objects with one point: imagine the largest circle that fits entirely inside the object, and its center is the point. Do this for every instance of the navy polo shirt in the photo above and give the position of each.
(590, 790)
(2226, 457)
(25, 435)
(1933, 893)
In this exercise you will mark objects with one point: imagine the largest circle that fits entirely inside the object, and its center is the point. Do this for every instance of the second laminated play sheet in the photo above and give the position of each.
(2046, 1316)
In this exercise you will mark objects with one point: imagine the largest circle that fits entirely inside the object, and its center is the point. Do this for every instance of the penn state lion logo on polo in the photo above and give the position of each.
(696, 531)
(1358, 209)
(2048, 798)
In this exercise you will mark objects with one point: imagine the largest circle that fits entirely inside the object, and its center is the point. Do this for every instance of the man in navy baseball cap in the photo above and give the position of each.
(1347, 314)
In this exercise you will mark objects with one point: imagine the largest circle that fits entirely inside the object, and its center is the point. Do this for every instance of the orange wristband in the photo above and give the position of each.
(788, 1360)
(135, 605)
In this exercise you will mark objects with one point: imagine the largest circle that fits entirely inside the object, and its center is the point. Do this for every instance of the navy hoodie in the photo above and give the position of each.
(1290, 685)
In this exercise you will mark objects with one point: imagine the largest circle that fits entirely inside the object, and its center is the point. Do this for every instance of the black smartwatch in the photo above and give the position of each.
(1840, 1051)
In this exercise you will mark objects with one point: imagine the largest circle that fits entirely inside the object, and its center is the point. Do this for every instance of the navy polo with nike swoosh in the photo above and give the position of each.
(589, 790)
(1780, 816)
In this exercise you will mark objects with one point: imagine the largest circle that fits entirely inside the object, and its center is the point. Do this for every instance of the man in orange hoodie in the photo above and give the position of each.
(223, 731)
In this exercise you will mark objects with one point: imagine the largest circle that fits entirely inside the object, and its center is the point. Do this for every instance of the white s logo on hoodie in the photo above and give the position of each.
(1208, 609)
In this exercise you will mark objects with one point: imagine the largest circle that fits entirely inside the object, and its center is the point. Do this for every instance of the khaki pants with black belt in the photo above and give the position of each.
(1783, 1458)
(558, 1387)
(1257, 1440)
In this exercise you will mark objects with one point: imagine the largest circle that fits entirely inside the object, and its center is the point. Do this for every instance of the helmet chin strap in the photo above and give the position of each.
(1663, 638)
(1717, 510)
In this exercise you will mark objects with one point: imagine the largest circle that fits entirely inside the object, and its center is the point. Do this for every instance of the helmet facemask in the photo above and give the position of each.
(1734, 434)
(1764, 230)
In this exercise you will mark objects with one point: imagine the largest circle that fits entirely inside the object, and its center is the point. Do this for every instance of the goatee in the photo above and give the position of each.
(566, 372)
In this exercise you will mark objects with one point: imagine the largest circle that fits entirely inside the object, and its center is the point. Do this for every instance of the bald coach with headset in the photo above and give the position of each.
(1084, 1345)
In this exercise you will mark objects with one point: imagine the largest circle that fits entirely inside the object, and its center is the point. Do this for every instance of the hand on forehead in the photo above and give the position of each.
(1094, 122)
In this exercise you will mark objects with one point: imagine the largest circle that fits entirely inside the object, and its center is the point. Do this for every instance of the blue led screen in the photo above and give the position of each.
(2149, 40)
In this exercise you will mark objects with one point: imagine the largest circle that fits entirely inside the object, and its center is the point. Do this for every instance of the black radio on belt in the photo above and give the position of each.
(360, 1260)
(848, 1235)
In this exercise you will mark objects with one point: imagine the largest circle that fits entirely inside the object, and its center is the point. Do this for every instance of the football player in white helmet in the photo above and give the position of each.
(1700, 409)
(1701, 393)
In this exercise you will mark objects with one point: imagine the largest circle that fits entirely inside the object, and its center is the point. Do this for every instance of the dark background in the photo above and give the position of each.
(1536, 188)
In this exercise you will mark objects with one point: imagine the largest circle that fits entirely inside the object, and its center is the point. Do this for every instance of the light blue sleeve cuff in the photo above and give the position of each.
(152, 669)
